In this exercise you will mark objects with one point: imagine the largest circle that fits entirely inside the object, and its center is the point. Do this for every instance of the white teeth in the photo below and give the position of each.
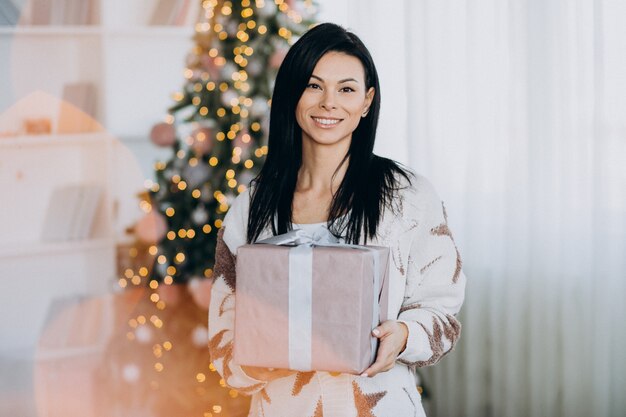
(326, 121)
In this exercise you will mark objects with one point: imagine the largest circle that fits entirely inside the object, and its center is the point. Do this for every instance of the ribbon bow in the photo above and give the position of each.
(320, 237)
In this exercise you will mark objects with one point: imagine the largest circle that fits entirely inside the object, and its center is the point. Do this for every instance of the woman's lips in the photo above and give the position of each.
(326, 122)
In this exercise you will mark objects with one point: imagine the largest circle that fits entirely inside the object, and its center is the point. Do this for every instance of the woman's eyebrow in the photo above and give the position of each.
(345, 80)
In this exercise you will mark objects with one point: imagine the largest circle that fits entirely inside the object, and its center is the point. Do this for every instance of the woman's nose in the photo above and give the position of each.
(327, 101)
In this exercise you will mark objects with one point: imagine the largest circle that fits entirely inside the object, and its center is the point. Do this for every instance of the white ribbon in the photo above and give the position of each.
(301, 290)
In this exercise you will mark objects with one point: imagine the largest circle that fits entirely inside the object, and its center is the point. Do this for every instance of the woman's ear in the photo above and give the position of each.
(369, 96)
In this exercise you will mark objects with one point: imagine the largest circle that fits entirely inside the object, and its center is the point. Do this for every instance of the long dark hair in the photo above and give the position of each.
(370, 181)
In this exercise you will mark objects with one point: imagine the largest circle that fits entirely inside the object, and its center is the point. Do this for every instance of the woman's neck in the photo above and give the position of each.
(319, 163)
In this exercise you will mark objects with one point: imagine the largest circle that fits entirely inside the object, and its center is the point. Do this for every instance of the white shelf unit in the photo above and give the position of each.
(135, 68)
(34, 272)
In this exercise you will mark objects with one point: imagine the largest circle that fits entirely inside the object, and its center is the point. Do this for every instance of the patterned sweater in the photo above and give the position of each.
(426, 291)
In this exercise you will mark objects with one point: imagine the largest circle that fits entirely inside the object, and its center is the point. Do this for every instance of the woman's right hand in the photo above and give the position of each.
(266, 374)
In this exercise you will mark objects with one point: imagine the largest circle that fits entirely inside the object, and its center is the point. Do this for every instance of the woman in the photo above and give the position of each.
(320, 172)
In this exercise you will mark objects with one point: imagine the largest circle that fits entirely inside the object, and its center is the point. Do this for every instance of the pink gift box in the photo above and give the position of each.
(344, 308)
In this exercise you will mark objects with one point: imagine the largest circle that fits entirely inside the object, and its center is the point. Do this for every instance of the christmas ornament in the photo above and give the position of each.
(259, 107)
(151, 228)
(163, 134)
(243, 139)
(200, 290)
(229, 98)
(231, 28)
(143, 334)
(196, 175)
(254, 68)
(161, 269)
(228, 70)
(199, 216)
(208, 64)
(245, 178)
(131, 373)
(200, 336)
(207, 192)
(268, 9)
(201, 141)
(277, 57)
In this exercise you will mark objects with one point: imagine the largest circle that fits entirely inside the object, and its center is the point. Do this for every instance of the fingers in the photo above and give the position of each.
(384, 329)
(384, 358)
(384, 362)
(392, 340)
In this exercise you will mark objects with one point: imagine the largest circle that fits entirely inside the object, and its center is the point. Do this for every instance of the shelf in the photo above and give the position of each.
(112, 54)
(94, 138)
(151, 31)
(29, 249)
(51, 30)
(94, 30)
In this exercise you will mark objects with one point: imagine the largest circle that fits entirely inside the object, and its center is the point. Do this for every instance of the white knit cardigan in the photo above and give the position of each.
(426, 291)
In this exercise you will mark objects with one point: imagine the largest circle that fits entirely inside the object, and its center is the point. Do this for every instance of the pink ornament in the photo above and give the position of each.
(143, 334)
(202, 141)
(163, 134)
(200, 290)
(151, 228)
(277, 58)
(131, 373)
(209, 65)
(200, 336)
(243, 140)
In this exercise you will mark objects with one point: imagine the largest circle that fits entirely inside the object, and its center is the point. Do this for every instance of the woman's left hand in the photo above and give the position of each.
(393, 336)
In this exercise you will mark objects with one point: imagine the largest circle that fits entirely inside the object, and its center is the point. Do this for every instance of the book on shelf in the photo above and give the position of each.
(89, 197)
(188, 15)
(57, 11)
(78, 108)
(71, 212)
(180, 12)
(76, 12)
(174, 13)
(62, 12)
(9, 13)
(162, 12)
(74, 324)
(41, 12)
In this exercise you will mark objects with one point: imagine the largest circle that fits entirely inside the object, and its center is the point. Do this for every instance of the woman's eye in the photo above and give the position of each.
(313, 85)
(347, 90)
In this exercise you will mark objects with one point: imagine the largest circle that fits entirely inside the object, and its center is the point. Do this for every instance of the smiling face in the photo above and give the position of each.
(334, 100)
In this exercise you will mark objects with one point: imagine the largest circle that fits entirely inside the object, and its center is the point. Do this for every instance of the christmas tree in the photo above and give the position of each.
(157, 360)
(217, 128)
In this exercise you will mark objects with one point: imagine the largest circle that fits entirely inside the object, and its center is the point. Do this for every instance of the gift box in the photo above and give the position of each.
(305, 303)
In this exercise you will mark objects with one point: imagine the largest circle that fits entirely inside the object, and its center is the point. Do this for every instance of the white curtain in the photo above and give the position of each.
(516, 111)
